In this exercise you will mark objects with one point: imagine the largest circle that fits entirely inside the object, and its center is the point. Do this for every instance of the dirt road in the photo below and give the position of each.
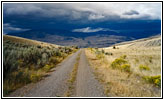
(87, 85)
(56, 84)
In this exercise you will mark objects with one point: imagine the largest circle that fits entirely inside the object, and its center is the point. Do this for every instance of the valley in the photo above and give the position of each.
(127, 69)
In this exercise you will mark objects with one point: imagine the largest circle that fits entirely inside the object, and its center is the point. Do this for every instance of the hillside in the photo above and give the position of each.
(26, 61)
(130, 69)
(144, 42)
(15, 39)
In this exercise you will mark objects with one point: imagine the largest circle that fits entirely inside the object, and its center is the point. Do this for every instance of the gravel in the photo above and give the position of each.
(87, 85)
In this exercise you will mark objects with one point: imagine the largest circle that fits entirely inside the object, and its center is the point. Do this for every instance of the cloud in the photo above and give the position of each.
(85, 11)
(7, 28)
(95, 17)
(89, 30)
(132, 12)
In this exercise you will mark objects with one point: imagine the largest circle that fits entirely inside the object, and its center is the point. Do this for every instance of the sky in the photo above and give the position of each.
(19, 17)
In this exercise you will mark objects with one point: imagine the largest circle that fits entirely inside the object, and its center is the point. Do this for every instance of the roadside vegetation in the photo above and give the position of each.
(72, 78)
(131, 70)
(26, 61)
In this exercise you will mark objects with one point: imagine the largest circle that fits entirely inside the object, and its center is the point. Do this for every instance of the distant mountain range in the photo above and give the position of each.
(119, 31)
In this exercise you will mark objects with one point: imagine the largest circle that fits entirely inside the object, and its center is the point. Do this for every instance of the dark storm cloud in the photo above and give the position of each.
(81, 11)
(132, 12)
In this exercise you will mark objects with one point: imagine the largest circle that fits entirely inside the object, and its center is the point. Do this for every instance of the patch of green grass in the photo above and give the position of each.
(144, 67)
(125, 67)
(47, 67)
(100, 56)
(72, 78)
(35, 77)
(156, 80)
(123, 56)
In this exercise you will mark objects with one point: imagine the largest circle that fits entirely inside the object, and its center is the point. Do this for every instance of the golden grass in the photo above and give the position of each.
(27, 41)
(120, 83)
(137, 56)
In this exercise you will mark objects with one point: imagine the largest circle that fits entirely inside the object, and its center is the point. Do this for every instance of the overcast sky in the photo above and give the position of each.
(89, 12)
(92, 11)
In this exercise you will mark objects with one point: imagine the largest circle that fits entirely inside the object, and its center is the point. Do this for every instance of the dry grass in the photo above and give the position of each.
(27, 41)
(136, 56)
(124, 84)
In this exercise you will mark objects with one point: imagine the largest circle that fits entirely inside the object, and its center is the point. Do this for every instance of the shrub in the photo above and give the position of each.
(123, 56)
(114, 47)
(102, 51)
(38, 46)
(35, 77)
(57, 53)
(47, 67)
(22, 61)
(108, 53)
(44, 59)
(100, 56)
(118, 62)
(156, 80)
(144, 67)
(54, 60)
(126, 67)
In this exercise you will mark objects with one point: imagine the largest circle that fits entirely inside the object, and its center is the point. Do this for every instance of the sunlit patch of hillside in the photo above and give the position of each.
(15, 39)
(26, 61)
(129, 69)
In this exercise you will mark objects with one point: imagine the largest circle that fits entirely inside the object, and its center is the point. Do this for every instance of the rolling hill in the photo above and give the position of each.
(26, 61)
(131, 69)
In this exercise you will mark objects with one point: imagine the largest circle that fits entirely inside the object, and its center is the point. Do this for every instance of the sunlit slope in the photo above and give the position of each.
(26, 41)
(145, 42)
(129, 69)
(144, 51)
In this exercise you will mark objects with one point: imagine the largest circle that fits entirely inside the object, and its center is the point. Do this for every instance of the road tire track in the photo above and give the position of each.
(87, 85)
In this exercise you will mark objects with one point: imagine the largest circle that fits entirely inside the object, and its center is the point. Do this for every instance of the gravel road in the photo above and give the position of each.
(56, 84)
(87, 85)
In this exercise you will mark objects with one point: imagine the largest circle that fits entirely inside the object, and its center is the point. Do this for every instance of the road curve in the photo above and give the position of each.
(53, 85)
(87, 85)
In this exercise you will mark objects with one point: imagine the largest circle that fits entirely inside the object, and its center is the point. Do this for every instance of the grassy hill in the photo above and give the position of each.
(130, 69)
(26, 61)
(15, 39)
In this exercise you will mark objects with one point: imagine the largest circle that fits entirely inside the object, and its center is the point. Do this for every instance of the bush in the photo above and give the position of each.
(47, 67)
(100, 56)
(38, 46)
(108, 53)
(35, 77)
(54, 60)
(118, 62)
(114, 47)
(126, 67)
(123, 56)
(102, 51)
(144, 67)
(156, 80)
